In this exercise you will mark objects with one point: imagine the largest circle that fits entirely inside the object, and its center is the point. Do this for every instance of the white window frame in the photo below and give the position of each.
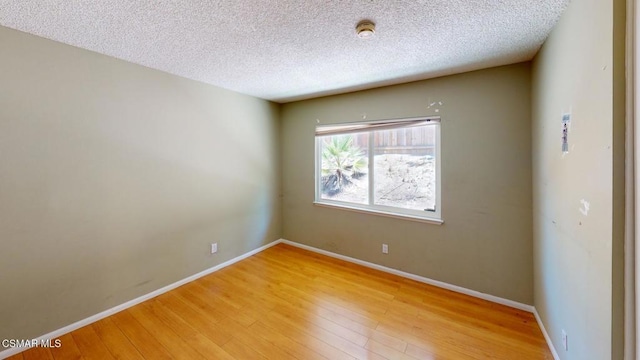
(434, 217)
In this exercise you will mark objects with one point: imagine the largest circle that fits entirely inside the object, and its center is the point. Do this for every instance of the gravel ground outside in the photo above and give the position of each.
(402, 180)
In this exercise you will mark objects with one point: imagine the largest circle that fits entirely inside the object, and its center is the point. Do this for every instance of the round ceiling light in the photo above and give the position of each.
(365, 29)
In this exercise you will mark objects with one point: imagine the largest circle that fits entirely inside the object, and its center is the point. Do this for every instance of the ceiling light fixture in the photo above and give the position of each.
(365, 29)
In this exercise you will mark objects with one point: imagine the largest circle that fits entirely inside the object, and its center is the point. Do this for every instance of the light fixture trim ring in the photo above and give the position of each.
(365, 29)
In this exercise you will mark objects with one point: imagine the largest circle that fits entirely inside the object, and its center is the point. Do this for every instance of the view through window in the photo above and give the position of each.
(389, 166)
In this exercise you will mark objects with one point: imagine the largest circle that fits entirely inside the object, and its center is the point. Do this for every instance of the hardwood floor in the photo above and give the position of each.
(288, 303)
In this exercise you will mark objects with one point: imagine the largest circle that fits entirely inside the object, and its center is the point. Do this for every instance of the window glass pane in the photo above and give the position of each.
(405, 167)
(344, 168)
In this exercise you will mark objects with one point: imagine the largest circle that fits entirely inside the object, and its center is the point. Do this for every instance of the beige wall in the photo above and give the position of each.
(577, 256)
(485, 243)
(115, 178)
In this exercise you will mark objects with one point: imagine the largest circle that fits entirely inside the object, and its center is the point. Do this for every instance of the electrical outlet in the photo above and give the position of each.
(385, 248)
(214, 248)
(565, 343)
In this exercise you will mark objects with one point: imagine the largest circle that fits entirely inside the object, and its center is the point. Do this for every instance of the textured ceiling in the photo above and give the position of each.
(287, 50)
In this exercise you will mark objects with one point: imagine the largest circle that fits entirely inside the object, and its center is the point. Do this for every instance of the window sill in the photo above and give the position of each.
(381, 213)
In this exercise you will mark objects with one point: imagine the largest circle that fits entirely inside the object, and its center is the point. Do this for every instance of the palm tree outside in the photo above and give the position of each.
(342, 161)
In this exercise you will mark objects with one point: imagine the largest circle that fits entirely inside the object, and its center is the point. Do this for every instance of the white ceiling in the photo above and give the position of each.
(285, 50)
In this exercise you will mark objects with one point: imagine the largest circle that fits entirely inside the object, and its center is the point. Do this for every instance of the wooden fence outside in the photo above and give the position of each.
(412, 141)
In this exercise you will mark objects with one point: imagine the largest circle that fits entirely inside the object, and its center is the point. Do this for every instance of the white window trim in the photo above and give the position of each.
(434, 217)
(395, 215)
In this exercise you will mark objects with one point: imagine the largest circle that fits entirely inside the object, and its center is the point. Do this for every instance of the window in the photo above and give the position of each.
(388, 167)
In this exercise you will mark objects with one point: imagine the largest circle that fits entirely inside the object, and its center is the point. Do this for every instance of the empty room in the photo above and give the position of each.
(317, 180)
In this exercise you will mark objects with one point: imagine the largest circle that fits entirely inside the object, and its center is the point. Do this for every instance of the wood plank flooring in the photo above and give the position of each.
(288, 303)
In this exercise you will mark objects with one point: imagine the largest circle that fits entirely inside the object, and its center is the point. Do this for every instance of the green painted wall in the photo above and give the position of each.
(115, 178)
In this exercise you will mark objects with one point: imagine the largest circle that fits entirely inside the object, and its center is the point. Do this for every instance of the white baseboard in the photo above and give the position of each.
(440, 284)
(546, 335)
(76, 325)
